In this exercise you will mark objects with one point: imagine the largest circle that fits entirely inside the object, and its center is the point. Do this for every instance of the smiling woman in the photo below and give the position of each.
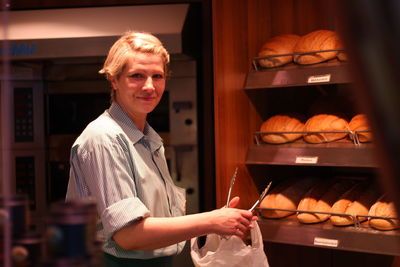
(119, 160)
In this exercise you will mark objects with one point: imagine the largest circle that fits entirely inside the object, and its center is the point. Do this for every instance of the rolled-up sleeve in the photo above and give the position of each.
(122, 213)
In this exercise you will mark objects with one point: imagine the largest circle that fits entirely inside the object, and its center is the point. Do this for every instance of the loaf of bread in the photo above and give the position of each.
(357, 201)
(316, 41)
(360, 123)
(320, 199)
(278, 45)
(325, 123)
(282, 123)
(383, 207)
(286, 196)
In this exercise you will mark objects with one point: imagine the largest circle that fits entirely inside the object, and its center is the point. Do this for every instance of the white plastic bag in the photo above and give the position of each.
(232, 252)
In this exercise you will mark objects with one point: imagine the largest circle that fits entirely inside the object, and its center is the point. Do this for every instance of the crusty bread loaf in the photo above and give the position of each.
(310, 199)
(357, 201)
(383, 207)
(341, 205)
(282, 123)
(325, 122)
(320, 199)
(360, 123)
(316, 41)
(278, 45)
(286, 197)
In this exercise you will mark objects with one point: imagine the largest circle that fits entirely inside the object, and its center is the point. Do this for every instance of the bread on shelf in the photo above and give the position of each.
(286, 196)
(383, 207)
(316, 41)
(360, 123)
(277, 45)
(355, 202)
(323, 124)
(320, 198)
(282, 123)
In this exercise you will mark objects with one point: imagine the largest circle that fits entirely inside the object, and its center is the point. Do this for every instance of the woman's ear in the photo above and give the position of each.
(113, 82)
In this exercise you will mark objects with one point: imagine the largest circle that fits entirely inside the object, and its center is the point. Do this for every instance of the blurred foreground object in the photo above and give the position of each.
(371, 32)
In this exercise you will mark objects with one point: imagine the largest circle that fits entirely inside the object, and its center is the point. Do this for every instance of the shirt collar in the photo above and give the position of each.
(130, 129)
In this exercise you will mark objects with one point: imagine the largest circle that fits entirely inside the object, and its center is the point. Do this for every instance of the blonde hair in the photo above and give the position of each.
(126, 47)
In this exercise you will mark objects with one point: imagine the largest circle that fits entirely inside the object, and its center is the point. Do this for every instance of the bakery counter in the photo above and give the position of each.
(340, 154)
(353, 238)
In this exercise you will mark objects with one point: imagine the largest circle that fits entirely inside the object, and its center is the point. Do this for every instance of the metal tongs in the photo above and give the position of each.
(262, 196)
(233, 178)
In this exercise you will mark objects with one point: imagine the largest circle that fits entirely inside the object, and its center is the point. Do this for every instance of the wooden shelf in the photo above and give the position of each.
(334, 72)
(326, 235)
(329, 154)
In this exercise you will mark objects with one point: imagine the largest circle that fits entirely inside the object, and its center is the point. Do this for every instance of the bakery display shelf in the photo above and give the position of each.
(360, 238)
(331, 72)
(340, 154)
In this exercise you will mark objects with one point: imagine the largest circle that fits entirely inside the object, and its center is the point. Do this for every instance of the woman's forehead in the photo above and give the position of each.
(145, 60)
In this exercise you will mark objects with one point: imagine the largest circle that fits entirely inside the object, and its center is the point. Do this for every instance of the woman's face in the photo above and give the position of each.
(141, 84)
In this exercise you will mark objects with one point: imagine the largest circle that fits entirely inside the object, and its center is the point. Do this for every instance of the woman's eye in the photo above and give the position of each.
(137, 75)
(158, 76)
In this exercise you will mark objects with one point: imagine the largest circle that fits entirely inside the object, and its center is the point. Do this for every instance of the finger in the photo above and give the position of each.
(248, 215)
(234, 202)
(240, 233)
(242, 228)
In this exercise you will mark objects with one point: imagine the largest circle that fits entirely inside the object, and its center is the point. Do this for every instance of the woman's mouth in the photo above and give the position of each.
(146, 98)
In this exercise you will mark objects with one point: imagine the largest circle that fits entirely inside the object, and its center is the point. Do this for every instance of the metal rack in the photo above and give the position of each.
(355, 218)
(352, 134)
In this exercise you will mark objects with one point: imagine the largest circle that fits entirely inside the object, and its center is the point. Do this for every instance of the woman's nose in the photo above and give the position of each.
(148, 84)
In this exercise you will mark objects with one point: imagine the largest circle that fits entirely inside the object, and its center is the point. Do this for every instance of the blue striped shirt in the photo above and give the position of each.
(125, 171)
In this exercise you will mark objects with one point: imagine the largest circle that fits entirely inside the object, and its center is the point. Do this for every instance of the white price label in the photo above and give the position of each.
(319, 78)
(307, 160)
(319, 241)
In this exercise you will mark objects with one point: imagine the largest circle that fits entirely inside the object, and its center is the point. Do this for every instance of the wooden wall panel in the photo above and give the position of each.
(232, 134)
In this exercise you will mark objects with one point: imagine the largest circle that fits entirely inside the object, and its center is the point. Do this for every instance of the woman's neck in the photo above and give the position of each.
(138, 119)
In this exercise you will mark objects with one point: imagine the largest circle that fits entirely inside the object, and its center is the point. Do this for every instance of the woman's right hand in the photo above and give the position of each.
(232, 221)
